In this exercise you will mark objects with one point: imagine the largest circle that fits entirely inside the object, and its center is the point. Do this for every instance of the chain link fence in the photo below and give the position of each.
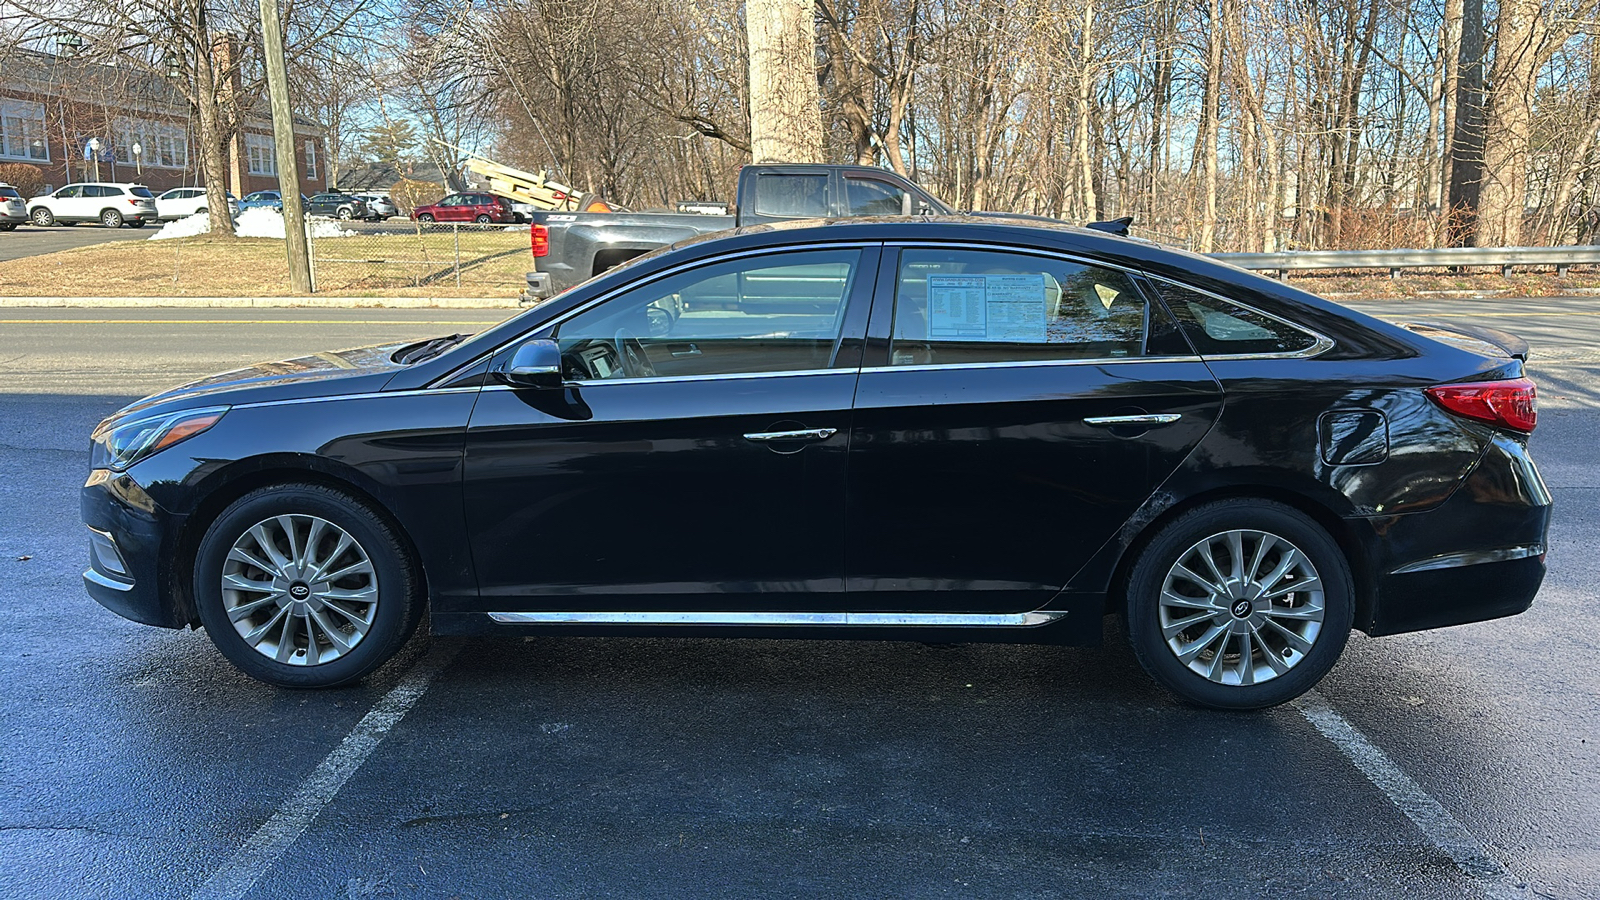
(358, 256)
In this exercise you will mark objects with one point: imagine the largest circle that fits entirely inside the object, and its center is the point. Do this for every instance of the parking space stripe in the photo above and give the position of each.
(1441, 829)
(252, 860)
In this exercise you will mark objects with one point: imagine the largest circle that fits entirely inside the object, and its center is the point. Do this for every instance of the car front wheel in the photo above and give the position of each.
(43, 217)
(305, 586)
(425, 217)
(1240, 604)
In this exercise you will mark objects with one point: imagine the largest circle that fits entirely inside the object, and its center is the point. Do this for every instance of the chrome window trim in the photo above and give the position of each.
(1031, 363)
(1470, 558)
(880, 620)
(1067, 255)
(673, 379)
(1322, 345)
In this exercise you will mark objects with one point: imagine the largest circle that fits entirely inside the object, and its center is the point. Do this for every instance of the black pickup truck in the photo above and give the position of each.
(570, 248)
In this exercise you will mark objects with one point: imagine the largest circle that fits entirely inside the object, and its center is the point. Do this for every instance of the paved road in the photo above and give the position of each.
(136, 762)
(27, 240)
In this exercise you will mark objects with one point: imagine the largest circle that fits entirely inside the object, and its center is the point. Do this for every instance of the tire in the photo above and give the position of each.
(135, 223)
(42, 217)
(8, 226)
(382, 571)
(425, 217)
(1214, 673)
(483, 220)
(110, 218)
(345, 213)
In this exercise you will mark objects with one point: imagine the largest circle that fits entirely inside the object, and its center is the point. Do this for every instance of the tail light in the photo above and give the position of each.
(1508, 404)
(540, 240)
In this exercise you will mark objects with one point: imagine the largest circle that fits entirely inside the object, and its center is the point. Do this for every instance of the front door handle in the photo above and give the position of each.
(804, 434)
(1146, 419)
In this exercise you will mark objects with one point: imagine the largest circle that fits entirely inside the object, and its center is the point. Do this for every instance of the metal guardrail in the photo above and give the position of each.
(1503, 258)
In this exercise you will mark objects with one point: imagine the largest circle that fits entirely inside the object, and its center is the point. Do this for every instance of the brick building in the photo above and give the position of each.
(52, 106)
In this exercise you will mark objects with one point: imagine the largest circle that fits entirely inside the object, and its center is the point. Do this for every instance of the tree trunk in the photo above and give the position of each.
(785, 109)
(1517, 59)
(1208, 125)
(1466, 146)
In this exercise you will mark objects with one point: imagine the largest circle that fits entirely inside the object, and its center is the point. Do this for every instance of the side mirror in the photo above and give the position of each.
(535, 364)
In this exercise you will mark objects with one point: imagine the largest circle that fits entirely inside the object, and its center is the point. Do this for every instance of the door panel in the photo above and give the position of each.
(978, 482)
(984, 490)
(652, 480)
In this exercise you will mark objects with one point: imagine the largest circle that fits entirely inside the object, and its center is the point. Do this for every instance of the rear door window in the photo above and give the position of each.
(871, 197)
(957, 307)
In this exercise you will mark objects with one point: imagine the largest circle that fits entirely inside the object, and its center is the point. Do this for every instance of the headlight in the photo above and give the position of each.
(119, 445)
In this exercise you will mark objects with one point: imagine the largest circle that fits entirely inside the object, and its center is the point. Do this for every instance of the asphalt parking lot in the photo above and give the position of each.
(136, 762)
(29, 240)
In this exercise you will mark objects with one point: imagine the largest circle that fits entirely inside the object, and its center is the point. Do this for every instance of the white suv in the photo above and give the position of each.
(186, 201)
(12, 211)
(110, 204)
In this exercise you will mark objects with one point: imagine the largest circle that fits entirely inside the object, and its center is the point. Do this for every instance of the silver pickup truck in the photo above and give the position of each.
(570, 248)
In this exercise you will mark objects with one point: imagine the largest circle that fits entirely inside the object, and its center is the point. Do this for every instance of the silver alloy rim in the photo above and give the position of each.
(1241, 607)
(299, 589)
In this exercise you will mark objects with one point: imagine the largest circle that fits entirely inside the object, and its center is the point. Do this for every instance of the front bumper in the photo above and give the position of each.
(128, 532)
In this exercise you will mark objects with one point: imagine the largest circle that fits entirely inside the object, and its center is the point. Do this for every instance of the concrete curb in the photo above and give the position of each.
(266, 302)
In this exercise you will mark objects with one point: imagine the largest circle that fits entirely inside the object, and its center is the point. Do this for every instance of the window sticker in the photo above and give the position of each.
(1106, 295)
(998, 308)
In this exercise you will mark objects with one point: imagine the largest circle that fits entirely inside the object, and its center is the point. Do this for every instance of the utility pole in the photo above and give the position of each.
(294, 217)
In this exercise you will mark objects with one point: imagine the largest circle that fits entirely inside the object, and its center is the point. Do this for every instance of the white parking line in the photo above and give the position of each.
(252, 860)
(1435, 822)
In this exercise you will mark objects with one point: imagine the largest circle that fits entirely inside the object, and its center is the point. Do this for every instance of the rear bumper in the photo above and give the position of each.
(1479, 555)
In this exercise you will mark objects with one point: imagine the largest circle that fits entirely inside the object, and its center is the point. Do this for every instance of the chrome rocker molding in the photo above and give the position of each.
(105, 582)
(1470, 558)
(962, 620)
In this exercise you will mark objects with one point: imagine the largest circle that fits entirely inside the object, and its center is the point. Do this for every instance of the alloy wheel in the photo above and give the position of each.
(1241, 607)
(299, 589)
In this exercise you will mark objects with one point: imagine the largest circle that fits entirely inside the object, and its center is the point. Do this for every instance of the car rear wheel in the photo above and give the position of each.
(483, 220)
(7, 226)
(136, 223)
(1240, 604)
(305, 586)
(110, 218)
(345, 213)
(43, 218)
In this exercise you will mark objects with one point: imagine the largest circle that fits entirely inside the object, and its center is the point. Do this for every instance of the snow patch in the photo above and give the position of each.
(188, 226)
(255, 222)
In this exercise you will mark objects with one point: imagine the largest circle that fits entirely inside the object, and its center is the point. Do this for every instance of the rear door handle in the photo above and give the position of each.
(1140, 419)
(804, 434)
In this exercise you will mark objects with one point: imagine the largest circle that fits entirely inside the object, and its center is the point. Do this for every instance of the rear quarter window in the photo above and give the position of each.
(1218, 327)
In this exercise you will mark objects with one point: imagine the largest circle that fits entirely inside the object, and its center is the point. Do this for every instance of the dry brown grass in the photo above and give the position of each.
(387, 266)
(1377, 285)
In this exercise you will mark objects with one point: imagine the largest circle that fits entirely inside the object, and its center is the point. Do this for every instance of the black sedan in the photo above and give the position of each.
(932, 429)
(335, 205)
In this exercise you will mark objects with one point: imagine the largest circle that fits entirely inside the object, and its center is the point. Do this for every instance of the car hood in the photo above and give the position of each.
(327, 374)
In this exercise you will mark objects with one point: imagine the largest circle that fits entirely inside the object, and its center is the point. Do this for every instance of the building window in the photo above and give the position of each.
(311, 159)
(164, 145)
(22, 131)
(263, 160)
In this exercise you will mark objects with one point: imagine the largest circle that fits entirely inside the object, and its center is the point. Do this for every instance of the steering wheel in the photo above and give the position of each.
(635, 363)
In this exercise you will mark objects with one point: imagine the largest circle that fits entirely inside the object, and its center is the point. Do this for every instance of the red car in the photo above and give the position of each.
(467, 207)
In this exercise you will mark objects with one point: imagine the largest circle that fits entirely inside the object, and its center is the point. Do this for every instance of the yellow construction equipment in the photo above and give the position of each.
(527, 187)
